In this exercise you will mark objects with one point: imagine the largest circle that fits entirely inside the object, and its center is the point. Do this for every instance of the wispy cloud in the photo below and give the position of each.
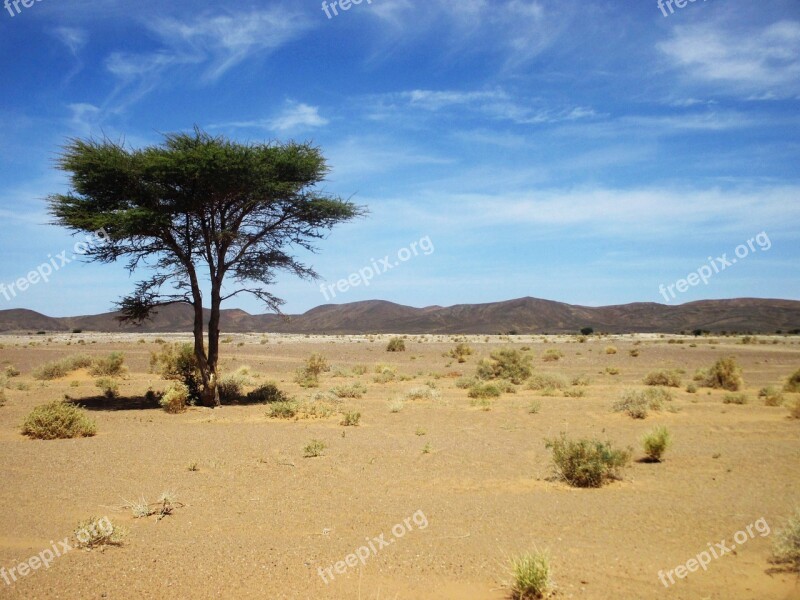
(763, 64)
(295, 116)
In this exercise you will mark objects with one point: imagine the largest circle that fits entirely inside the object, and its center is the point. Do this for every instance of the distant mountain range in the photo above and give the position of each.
(523, 316)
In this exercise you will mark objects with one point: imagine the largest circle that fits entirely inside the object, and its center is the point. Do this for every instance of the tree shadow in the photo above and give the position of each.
(117, 403)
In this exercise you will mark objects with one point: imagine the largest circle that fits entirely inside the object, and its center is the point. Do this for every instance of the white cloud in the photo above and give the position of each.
(297, 116)
(764, 63)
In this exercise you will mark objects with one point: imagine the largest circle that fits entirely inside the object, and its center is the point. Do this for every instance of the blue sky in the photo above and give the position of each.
(579, 151)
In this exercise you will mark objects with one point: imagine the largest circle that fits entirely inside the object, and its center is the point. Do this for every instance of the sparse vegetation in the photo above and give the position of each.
(542, 381)
(384, 374)
(351, 419)
(308, 375)
(422, 392)
(267, 393)
(484, 391)
(786, 544)
(663, 377)
(396, 344)
(771, 395)
(177, 362)
(62, 368)
(586, 462)
(656, 442)
(283, 409)
(734, 399)
(611, 350)
(506, 363)
(176, 398)
(355, 390)
(96, 533)
(314, 448)
(58, 420)
(111, 366)
(531, 576)
(793, 382)
(108, 386)
(725, 374)
(637, 402)
(552, 355)
(460, 352)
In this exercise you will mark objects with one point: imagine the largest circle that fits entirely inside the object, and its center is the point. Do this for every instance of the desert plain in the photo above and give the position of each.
(255, 518)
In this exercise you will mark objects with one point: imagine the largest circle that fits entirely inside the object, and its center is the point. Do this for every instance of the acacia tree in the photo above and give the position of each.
(196, 210)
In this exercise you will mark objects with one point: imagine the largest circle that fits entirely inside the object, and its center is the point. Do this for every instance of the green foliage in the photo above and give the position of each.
(771, 395)
(725, 374)
(314, 448)
(793, 382)
(112, 366)
(484, 391)
(460, 352)
(176, 398)
(308, 375)
(58, 420)
(178, 362)
(267, 393)
(506, 363)
(351, 419)
(231, 388)
(786, 544)
(587, 331)
(586, 462)
(283, 409)
(543, 381)
(531, 576)
(663, 377)
(62, 368)
(655, 442)
(636, 403)
(355, 390)
(734, 399)
(396, 345)
(385, 374)
(108, 386)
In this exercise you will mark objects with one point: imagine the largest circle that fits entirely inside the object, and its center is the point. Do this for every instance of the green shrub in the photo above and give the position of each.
(422, 392)
(574, 393)
(655, 443)
(11, 371)
(176, 398)
(355, 390)
(314, 448)
(460, 352)
(111, 366)
(62, 368)
(231, 388)
(587, 331)
(283, 409)
(663, 377)
(531, 573)
(351, 419)
(637, 403)
(586, 462)
(484, 391)
(541, 381)
(58, 420)
(633, 352)
(786, 544)
(396, 344)
(177, 362)
(267, 393)
(552, 355)
(581, 380)
(385, 374)
(308, 375)
(734, 399)
(793, 382)
(108, 386)
(725, 374)
(691, 388)
(507, 364)
(771, 396)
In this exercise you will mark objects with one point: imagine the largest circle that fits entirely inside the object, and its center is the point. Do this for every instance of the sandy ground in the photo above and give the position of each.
(259, 520)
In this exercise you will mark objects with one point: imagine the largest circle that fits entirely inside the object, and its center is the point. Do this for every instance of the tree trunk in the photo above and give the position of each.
(209, 395)
(213, 348)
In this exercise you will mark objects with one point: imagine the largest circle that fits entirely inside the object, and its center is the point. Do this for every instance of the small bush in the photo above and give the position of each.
(314, 448)
(794, 409)
(691, 388)
(656, 442)
(385, 374)
(531, 574)
(308, 375)
(663, 377)
(96, 533)
(507, 364)
(793, 382)
(574, 393)
(460, 352)
(541, 381)
(786, 544)
(108, 386)
(396, 345)
(534, 407)
(355, 390)
(612, 370)
(111, 366)
(611, 350)
(283, 409)
(586, 462)
(581, 380)
(177, 362)
(175, 399)
(62, 368)
(2, 397)
(637, 403)
(58, 420)
(633, 352)
(351, 419)
(422, 392)
(771, 396)
(266, 393)
(395, 406)
(725, 374)
(552, 355)
(484, 391)
(231, 387)
(734, 399)
(11, 371)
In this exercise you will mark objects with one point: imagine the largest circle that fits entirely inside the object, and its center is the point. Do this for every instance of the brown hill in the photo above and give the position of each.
(523, 315)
